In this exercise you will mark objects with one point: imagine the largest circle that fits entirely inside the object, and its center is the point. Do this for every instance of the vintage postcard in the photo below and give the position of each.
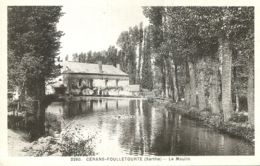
(129, 83)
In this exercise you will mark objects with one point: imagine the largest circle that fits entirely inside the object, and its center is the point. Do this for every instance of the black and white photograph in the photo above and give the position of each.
(123, 83)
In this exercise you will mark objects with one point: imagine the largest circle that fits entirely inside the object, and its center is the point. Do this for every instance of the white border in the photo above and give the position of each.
(199, 160)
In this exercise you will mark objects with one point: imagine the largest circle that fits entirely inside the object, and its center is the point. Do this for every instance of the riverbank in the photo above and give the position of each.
(17, 142)
(66, 143)
(234, 127)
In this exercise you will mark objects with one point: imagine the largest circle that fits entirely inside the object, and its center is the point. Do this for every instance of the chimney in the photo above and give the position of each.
(100, 66)
(118, 66)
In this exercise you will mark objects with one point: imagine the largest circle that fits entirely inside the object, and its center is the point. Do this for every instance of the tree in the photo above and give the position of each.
(127, 41)
(33, 45)
(66, 57)
(147, 75)
(192, 84)
(180, 36)
(89, 56)
(82, 57)
(196, 35)
(250, 92)
(155, 16)
(112, 55)
(75, 57)
(229, 25)
(243, 43)
(140, 46)
(124, 43)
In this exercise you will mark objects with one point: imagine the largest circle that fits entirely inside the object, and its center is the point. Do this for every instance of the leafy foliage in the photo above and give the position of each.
(127, 41)
(189, 34)
(33, 44)
(74, 146)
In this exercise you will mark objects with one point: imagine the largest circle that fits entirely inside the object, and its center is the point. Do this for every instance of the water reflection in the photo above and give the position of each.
(135, 127)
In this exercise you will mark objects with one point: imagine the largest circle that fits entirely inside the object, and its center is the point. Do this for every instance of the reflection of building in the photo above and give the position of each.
(93, 79)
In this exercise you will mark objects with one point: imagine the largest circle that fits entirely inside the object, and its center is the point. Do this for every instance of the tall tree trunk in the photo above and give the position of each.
(21, 99)
(187, 84)
(175, 83)
(141, 42)
(42, 106)
(171, 78)
(37, 93)
(201, 84)
(166, 80)
(192, 84)
(131, 66)
(139, 63)
(214, 87)
(187, 93)
(236, 88)
(237, 101)
(250, 92)
(226, 78)
(133, 72)
(163, 79)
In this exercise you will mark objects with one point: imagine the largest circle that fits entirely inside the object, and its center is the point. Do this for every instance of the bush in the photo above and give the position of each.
(242, 130)
(239, 117)
(67, 144)
(75, 146)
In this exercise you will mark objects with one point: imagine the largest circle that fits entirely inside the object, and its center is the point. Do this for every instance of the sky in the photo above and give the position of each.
(95, 27)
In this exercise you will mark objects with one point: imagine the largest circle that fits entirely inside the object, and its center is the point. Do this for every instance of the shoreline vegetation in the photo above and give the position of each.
(66, 144)
(237, 126)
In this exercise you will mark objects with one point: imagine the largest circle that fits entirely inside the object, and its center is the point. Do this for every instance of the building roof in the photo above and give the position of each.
(90, 68)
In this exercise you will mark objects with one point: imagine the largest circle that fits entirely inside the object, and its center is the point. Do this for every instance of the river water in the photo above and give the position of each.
(136, 127)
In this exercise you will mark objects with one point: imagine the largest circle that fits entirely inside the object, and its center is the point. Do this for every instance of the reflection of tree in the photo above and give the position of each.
(146, 124)
(166, 132)
(162, 137)
(75, 108)
(140, 123)
(127, 137)
(136, 134)
(106, 106)
(79, 108)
